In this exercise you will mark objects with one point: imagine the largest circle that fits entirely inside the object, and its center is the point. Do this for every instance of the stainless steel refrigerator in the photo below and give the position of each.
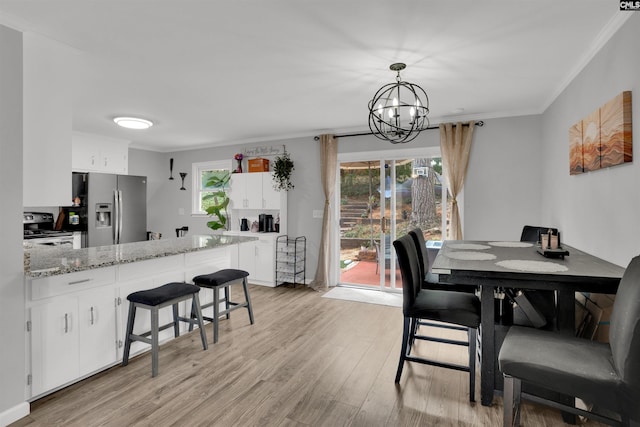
(116, 208)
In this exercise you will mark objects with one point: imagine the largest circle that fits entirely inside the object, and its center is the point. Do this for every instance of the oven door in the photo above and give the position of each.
(62, 241)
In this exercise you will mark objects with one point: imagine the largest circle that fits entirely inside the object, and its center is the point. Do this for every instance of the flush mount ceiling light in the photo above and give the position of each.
(398, 111)
(133, 122)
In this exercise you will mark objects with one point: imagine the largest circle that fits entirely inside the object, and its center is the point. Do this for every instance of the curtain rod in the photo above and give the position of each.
(347, 135)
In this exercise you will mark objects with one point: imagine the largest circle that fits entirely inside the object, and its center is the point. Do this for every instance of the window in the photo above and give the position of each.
(208, 178)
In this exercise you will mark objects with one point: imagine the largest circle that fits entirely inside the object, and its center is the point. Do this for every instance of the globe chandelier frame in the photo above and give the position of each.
(398, 111)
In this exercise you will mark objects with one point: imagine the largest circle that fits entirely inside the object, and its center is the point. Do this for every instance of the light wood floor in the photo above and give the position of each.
(307, 361)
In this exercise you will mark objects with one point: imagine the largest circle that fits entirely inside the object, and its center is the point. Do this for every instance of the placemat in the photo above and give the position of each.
(511, 244)
(470, 256)
(533, 266)
(467, 246)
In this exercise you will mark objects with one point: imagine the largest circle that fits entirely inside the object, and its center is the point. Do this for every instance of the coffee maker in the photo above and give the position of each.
(265, 223)
(244, 224)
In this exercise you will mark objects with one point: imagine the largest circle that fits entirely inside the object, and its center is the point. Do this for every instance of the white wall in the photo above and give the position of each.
(12, 319)
(596, 211)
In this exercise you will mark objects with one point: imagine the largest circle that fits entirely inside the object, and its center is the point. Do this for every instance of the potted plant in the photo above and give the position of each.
(282, 168)
(216, 202)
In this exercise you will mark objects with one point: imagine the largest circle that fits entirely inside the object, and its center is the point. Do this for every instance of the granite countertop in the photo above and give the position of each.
(45, 261)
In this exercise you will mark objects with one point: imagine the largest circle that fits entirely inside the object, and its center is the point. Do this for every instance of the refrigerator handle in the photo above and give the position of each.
(116, 213)
(120, 215)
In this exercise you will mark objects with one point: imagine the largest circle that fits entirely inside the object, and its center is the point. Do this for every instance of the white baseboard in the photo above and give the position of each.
(12, 415)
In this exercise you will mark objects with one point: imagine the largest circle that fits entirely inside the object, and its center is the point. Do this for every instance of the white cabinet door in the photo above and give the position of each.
(54, 344)
(247, 257)
(96, 153)
(237, 191)
(114, 158)
(97, 329)
(84, 157)
(253, 190)
(258, 259)
(270, 196)
(265, 261)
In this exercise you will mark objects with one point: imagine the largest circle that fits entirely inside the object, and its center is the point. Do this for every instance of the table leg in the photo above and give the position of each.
(566, 312)
(566, 325)
(487, 374)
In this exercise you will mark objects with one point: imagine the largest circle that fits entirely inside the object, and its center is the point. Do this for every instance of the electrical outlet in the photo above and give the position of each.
(180, 211)
(317, 213)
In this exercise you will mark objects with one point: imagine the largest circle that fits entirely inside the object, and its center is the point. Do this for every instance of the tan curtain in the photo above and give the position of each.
(455, 146)
(328, 165)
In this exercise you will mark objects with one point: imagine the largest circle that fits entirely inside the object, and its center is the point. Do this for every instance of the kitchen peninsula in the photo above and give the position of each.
(76, 301)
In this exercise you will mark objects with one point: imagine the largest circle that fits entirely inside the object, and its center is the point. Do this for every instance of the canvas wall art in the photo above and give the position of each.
(603, 138)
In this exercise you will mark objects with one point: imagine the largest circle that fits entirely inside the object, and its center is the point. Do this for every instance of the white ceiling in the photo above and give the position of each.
(213, 72)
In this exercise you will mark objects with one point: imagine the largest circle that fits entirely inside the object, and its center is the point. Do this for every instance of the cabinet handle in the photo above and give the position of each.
(92, 319)
(66, 323)
(76, 282)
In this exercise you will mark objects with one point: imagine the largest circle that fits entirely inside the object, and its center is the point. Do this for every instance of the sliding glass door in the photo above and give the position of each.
(380, 201)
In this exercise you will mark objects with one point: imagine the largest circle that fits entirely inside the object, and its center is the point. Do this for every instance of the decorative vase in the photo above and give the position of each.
(239, 168)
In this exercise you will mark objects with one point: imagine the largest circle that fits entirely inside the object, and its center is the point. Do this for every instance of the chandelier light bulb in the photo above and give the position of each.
(380, 110)
(412, 111)
(395, 102)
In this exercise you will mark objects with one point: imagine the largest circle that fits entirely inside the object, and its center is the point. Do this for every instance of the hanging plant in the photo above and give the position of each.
(282, 168)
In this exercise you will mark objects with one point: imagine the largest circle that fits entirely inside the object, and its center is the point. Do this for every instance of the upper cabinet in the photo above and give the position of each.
(47, 116)
(96, 153)
(253, 191)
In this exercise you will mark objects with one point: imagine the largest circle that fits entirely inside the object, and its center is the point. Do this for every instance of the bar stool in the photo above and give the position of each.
(223, 279)
(153, 300)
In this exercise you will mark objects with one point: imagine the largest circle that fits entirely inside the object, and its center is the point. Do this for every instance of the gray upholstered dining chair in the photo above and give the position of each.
(430, 280)
(458, 308)
(606, 375)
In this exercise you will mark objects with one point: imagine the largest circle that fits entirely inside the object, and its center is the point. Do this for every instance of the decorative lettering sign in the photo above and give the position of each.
(264, 151)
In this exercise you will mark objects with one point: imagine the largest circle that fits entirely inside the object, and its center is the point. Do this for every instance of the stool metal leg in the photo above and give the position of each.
(127, 339)
(216, 313)
(176, 325)
(154, 341)
(195, 307)
(248, 299)
(226, 300)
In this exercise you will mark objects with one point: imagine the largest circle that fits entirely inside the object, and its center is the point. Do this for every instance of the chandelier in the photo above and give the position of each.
(398, 111)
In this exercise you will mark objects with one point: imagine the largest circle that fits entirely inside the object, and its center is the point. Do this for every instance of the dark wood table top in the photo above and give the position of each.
(501, 263)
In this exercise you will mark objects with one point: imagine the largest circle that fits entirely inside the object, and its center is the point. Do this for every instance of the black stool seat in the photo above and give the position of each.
(153, 300)
(223, 279)
(163, 293)
(219, 278)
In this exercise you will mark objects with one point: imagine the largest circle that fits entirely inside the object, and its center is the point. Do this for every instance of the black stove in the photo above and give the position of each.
(39, 225)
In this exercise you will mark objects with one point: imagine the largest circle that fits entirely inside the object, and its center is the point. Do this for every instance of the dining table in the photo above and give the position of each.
(496, 267)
